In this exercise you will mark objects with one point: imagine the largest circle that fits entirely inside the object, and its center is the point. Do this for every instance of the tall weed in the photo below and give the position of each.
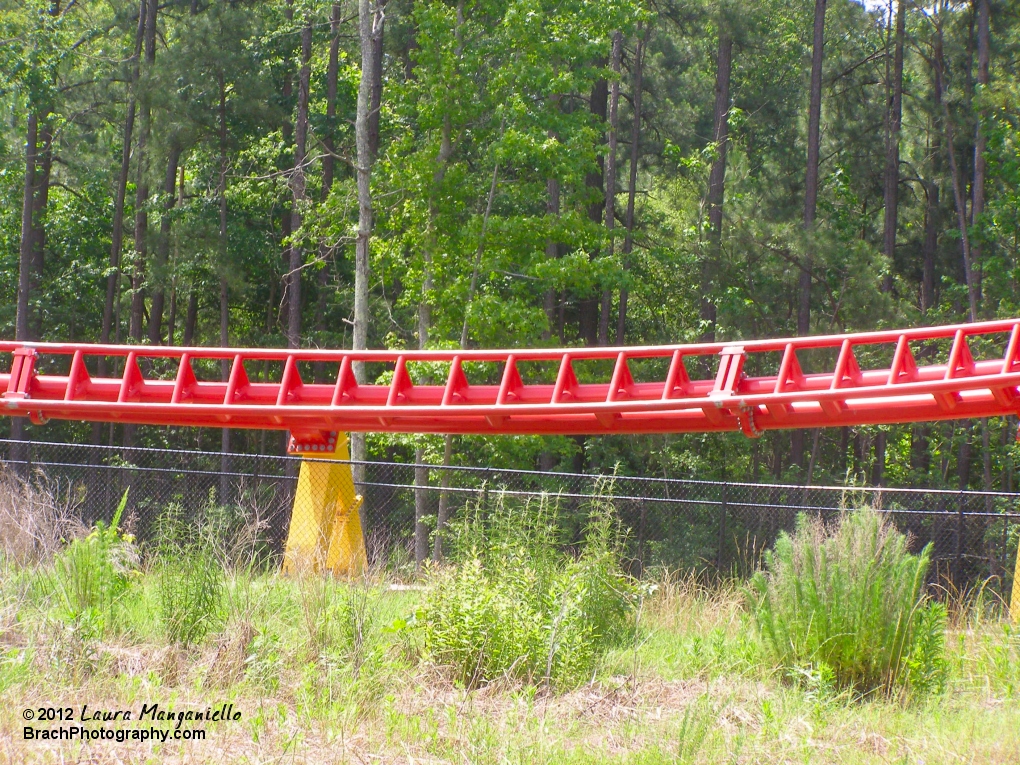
(189, 581)
(849, 604)
(927, 668)
(237, 533)
(92, 573)
(514, 604)
(337, 619)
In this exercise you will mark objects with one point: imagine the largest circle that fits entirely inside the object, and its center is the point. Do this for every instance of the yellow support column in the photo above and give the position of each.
(1014, 597)
(325, 525)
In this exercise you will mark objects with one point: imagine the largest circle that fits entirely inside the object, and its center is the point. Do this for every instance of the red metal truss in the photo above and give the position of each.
(932, 373)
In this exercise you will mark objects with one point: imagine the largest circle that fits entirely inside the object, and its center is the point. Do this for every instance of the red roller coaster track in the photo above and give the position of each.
(933, 373)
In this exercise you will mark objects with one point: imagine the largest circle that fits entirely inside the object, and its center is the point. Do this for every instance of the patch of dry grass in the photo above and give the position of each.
(35, 519)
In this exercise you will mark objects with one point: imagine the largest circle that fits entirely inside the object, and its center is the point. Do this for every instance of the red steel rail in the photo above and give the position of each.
(932, 373)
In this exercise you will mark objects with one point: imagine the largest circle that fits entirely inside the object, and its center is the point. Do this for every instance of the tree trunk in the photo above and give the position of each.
(932, 207)
(635, 135)
(371, 19)
(588, 305)
(141, 230)
(298, 185)
(421, 508)
(894, 112)
(980, 141)
(225, 460)
(957, 178)
(27, 250)
(552, 250)
(930, 246)
(332, 72)
(41, 196)
(287, 203)
(421, 471)
(328, 171)
(285, 232)
(120, 192)
(1008, 467)
(224, 258)
(137, 313)
(986, 463)
(142, 188)
(21, 323)
(614, 107)
(920, 459)
(813, 460)
(171, 320)
(810, 196)
(878, 469)
(797, 448)
(844, 447)
(191, 318)
(375, 95)
(553, 297)
(893, 119)
(811, 177)
(716, 181)
(443, 514)
(963, 458)
(321, 301)
(163, 247)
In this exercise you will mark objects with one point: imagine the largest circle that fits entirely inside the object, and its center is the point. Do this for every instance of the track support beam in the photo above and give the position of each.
(325, 533)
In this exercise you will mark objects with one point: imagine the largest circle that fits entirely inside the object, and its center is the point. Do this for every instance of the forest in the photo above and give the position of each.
(470, 174)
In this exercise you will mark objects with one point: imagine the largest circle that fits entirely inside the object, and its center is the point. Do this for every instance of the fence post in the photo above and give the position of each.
(485, 495)
(958, 563)
(1014, 596)
(641, 537)
(722, 530)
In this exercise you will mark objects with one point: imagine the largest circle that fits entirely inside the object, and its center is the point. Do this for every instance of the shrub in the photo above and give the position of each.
(848, 604)
(514, 605)
(189, 581)
(92, 573)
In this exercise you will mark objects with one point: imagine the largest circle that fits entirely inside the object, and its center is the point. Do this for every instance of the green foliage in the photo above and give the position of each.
(927, 670)
(514, 604)
(93, 573)
(848, 605)
(189, 582)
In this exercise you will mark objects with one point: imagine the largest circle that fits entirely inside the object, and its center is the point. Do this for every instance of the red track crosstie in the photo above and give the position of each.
(933, 373)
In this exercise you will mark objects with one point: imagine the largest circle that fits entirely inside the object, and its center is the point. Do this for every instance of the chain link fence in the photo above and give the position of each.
(674, 523)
